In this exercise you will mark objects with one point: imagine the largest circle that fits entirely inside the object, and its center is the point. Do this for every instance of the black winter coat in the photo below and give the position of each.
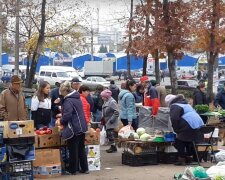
(72, 111)
(180, 126)
(220, 99)
(55, 107)
(200, 98)
(115, 91)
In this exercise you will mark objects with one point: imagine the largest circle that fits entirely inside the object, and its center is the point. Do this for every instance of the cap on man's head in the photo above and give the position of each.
(16, 80)
(75, 80)
(144, 78)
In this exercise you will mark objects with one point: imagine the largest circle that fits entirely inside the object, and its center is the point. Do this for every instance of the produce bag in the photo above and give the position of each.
(220, 156)
(162, 120)
(125, 131)
(103, 136)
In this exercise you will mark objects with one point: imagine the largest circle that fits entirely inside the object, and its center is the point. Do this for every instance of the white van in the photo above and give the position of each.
(53, 74)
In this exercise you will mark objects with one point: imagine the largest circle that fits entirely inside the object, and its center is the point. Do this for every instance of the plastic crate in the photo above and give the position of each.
(20, 167)
(20, 141)
(139, 160)
(28, 175)
(167, 158)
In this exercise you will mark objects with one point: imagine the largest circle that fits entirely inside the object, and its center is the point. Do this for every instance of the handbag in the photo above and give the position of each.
(67, 132)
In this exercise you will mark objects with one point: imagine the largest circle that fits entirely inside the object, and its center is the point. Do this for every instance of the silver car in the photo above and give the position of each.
(94, 81)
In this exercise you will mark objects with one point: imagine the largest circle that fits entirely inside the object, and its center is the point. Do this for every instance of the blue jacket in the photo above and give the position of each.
(128, 108)
(72, 111)
(220, 99)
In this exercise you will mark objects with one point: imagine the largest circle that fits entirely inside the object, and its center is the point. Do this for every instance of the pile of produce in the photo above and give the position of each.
(203, 108)
(44, 130)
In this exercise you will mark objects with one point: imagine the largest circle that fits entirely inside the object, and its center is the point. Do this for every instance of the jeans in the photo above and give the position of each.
(134, 123)
(52, 123)
(77, 153)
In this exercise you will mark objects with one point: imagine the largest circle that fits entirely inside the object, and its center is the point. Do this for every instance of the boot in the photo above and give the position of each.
(180, 162)
(112, 149)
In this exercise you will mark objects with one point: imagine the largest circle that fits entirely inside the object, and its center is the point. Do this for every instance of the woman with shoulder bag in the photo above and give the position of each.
(41, 106)
(74, 126)
(110, 113)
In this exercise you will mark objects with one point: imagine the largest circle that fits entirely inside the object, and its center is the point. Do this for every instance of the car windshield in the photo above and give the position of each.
(62, 74)
(100, 79)
(193, 83)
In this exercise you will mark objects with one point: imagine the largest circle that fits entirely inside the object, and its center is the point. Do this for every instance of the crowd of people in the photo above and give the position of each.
(72, 104)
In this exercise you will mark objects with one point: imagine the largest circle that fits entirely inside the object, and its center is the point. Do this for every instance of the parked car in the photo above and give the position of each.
(187, 82)
(94, 81)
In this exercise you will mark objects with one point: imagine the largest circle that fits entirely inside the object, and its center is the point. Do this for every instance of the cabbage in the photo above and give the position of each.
(145, 137)
(140, 131)
(135, 135)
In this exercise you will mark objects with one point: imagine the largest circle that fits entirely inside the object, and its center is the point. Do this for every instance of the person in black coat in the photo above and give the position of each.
(186, 123)
(115, 90)
(72, 112)
(200, 97)
(220, 99)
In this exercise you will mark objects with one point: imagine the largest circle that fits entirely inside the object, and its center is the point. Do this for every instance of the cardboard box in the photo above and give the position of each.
(3, 154)
(29, 155)
(47, 171)
(94, 164)
(49, 140)
(93, 151)
(36, 141)
(47, 156)
(15, 129)
(92, 138)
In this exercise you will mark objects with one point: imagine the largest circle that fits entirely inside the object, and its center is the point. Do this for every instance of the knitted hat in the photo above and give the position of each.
(169, 98)
(16, 80)
(106, 94)
(153, 82)
(144, 78)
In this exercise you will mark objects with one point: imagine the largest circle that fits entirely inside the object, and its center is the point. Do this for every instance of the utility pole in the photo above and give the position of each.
(92, 44)
(17, 41)
(1, 33)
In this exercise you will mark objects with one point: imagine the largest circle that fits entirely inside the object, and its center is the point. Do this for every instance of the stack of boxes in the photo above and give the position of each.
(48, 159)
(17, 149)
(92, 142)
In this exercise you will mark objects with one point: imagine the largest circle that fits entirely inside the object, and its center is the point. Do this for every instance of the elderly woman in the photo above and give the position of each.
(110, 113)
(186, 123)
(72, 113)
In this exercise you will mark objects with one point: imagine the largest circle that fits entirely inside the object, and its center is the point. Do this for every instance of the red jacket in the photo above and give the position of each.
(87, 108)
(155, 103)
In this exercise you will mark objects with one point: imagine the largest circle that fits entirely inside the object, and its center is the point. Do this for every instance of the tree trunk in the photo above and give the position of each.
(210, 75)
(145, 61)
(172, 70)
(28, 67)
(39, 46)
(157, 75)
(130, 42)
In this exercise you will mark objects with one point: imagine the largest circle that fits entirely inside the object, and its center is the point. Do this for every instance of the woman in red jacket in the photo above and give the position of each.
(84, 92)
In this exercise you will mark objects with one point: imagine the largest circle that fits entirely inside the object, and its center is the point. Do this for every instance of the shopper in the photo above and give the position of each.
(84, 92)
(98, 102)
(128, 112)
(139, 94)
(186, 123)
(161, 91)
(41, 106)
(220, 98)
(12, 102)
(72, 112)
(115, 90)
(110, 113)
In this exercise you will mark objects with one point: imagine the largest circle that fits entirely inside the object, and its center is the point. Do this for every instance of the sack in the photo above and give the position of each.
(103, 136)
(67, 132)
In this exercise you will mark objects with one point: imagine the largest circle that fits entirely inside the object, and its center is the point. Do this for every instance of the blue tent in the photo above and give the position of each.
(136, 62)
(78, 62)
(187, 61)
(221, 61)
(5, 58)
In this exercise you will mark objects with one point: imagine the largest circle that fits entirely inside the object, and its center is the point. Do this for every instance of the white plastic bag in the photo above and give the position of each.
(125, 131)
(103, 136)
(220, 156)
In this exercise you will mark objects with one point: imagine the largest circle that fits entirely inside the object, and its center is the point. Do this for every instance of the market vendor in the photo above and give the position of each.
(151, 95)
(186, 123)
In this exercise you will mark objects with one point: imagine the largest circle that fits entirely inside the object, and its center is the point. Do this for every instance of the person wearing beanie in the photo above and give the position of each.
(200, 97)
(186, 123)
(110, 113)
(12, 102)
(220, 98)
(115, 90)
(98, 102)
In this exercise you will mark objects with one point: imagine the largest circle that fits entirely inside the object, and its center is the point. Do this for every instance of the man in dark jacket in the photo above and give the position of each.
(186, 123)
(200, 97)
(220, 98)
(115, 90)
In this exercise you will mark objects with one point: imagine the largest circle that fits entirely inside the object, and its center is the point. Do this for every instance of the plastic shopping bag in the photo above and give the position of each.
(125, 131)
(103, 136)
